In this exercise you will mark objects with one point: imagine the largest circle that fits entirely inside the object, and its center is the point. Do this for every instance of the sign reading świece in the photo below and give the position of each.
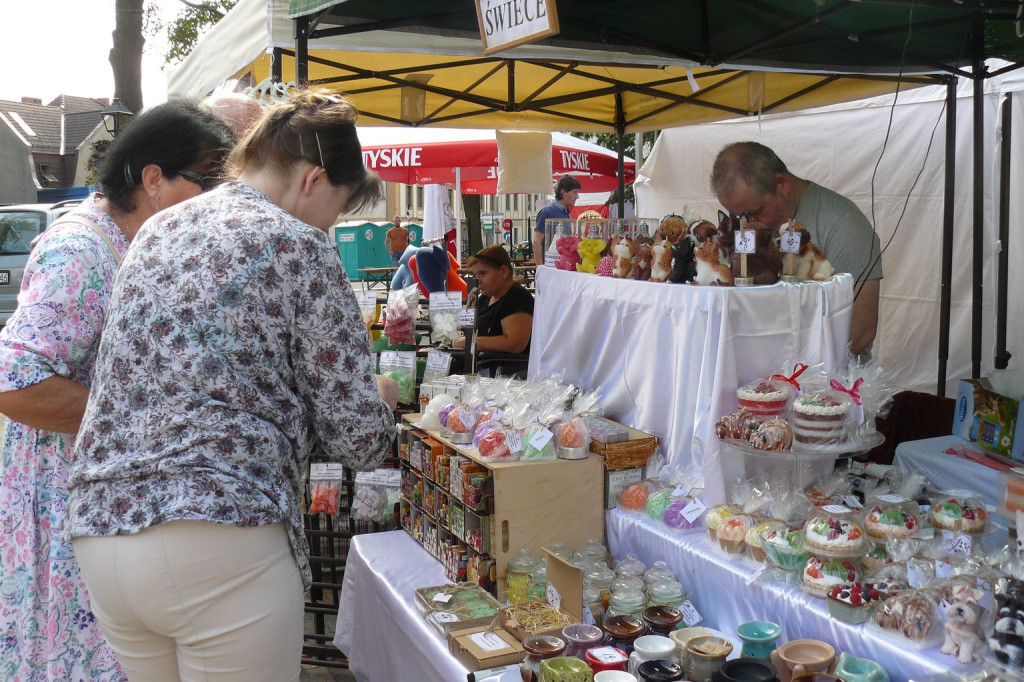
(504, 24)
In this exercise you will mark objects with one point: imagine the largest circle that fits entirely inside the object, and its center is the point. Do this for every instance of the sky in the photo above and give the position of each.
(54, 47)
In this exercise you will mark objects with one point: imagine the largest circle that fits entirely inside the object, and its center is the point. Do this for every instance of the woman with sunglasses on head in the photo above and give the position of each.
(47, 352)
(234, 349)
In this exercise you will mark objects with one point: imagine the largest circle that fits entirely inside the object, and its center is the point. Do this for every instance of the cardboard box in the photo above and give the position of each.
(565, 594)
(477, 648)
(617, 481)
(993, 421)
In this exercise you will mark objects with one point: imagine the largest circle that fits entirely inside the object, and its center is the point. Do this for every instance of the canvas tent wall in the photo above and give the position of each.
(839, 147)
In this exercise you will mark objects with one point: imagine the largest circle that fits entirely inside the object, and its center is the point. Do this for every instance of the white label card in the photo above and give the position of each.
(836, 509)
(960, 492)
(915, 575)
(488, 641)
(438, 361)
(554, 598)
(514, 441)
(852, 502)
(892, 499)
(690, 614)
(366, 299)
(442, 597)
(391, 478)
(955, 543)
(540, 438)
(326, 470)
(389, 358)
(606, 654)
(745, 242)
(790, 242)
(445, 300)
(943, 569)
(467, 317)
(692, 511)
(445, 617)
(588, 615)
(405, 359)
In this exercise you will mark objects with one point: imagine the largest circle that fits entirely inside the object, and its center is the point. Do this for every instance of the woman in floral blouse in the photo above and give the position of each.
(47, 352)
(234, 348)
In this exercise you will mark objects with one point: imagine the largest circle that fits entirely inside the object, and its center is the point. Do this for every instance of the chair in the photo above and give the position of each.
(510, 364)
(913, 416)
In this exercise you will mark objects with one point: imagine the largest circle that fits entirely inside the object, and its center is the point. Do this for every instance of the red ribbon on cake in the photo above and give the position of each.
(854, 391)
(798, 369)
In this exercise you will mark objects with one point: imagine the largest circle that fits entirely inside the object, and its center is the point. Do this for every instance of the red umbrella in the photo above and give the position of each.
(425, 156)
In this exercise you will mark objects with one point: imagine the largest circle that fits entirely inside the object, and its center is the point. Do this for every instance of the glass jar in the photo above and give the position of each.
(622, 631)
(581, 637)
(580, 561)
(537, 588)
(665, 592)
(595, 551)
(628, 582)
(559, 550)
(626, 603)
(592, 599)
(538, 648)
(630, 565)
(601, 577)
(659, 570)
(517, 576)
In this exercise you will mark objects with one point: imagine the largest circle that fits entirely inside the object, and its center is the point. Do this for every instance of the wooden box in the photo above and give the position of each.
(479, 648)
(627, 454)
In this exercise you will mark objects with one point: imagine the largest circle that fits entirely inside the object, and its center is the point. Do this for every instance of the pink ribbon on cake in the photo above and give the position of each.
(854, 391)
(798, 369)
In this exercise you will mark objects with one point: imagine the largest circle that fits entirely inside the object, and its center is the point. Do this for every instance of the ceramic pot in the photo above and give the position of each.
(759, 638)
(681, 637)
(564, 669)
(705, 655)
(581, 637)
(650, 648)
(745, 670)
(614, 676)
(662, 620)
(854, 669)
(817, 677)
(622, 631)
(800, 656)
(659, 671)
(538, 648)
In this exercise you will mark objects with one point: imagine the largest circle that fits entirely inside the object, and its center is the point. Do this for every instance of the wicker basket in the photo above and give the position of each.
(626, 454)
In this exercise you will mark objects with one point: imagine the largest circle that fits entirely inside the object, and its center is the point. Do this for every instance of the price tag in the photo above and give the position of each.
(690, 614)
(692, 511)
(389, 358)
(588, 615)
(442, 597)
(960, 492)
(943, 569)
(514, 441)
(554, 598)
(326, 470)
(986, 587)
(790, 242)
(606, 654)
(445, 617)
(385, 477)
(852, 502)
(892, 499)
(836, 509)
(467, 317)
(915, 575)
(438, 361)
(955, 543)
(745, 242)
(540, 438)
(445, 300)
(405, 359)
(488, 641)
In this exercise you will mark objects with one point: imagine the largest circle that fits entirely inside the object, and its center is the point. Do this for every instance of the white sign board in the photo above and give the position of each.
(505, 24)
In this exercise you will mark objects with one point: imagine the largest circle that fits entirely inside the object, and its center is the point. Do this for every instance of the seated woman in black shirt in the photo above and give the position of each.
(504, 310)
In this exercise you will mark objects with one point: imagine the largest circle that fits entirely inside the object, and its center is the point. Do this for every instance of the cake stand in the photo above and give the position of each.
(801, 465)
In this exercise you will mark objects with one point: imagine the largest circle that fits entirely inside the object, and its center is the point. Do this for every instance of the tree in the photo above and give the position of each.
(126, 53)
(185, 29)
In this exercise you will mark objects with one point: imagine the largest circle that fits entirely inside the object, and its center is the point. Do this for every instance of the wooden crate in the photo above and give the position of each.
(627, 454)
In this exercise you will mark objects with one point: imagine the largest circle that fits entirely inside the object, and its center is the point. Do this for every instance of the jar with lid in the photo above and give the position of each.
(622, 632)
(659, 570)
(665, 592)
(630, 565)
(537, 588)
(580, 561)
(517, 576)
(626, 603)
(592, 599)
(628, 582)
(595, 551)
(538, 648)
(601, 577)
(559, 550)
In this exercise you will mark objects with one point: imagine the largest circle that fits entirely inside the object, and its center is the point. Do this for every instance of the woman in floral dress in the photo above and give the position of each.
(47, 628)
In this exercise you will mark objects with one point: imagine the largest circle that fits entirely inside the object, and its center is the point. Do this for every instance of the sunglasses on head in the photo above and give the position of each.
(205, 181)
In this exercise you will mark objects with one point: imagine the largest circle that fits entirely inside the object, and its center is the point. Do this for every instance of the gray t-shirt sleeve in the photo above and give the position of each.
(842, 231)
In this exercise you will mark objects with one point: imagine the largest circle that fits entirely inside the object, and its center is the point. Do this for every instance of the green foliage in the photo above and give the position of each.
(98, 149)
(184, 30)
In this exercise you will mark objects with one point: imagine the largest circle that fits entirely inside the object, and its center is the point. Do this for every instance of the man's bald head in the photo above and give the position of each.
(239, 111)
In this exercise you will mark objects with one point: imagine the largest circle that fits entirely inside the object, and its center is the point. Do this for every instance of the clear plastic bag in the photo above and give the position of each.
(444, 316)
(400, 320)
(400, 366)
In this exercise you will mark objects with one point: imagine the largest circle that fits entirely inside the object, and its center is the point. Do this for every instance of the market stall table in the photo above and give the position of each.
(375, 276)
(945, 471)
(728, 593)
(379, 629)
(667, 358)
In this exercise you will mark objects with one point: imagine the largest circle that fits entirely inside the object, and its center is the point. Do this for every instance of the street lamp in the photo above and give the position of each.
(115, 117)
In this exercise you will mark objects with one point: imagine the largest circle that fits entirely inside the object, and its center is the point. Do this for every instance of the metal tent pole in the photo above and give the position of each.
(1002, 358)
(978, 219)
(620, 148)
(945, 296)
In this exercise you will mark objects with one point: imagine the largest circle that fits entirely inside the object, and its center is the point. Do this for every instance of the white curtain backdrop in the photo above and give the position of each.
(839, 147)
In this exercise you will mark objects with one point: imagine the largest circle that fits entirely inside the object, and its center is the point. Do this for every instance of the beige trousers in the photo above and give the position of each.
(198, 602)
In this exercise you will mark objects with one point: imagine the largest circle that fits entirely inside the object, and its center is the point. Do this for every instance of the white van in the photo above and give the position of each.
(19, 225)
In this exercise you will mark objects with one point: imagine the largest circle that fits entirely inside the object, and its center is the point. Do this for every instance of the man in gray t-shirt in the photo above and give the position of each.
(748, 178)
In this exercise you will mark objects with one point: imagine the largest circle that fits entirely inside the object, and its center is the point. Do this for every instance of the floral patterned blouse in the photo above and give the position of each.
(233, 349)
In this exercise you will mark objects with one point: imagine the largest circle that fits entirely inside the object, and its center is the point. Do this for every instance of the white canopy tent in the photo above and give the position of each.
(838, 147)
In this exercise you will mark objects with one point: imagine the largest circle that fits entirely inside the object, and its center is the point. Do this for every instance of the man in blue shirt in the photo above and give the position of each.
(567, 191)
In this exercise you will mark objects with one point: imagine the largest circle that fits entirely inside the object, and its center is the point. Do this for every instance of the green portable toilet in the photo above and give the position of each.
(361, 244)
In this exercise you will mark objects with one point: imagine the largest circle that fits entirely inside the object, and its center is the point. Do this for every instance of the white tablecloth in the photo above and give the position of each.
(944, 471)
(668, 358)
(726, 594)
(379, 628)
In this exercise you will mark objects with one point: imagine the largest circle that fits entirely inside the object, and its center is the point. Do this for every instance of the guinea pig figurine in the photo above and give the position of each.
(709, 270)
(684, 263)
